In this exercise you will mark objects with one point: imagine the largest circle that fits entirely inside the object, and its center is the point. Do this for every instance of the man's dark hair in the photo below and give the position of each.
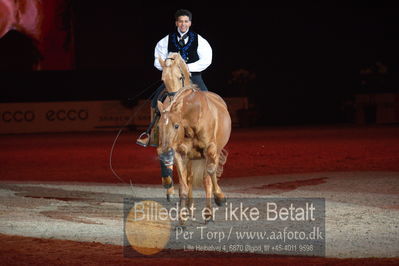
(183, 12)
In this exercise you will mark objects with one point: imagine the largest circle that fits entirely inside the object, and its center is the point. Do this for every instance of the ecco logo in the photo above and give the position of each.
(17, 116)
(62, 115)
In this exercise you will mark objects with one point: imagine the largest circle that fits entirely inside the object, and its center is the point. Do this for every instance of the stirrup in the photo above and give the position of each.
(141, 136)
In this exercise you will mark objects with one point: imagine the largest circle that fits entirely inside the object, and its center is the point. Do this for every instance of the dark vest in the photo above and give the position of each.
(188, 51)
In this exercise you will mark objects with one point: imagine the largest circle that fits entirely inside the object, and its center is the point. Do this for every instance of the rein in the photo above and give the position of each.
(174, 99)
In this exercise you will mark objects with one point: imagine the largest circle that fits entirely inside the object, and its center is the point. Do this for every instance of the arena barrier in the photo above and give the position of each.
(373, 108)
(84, 116)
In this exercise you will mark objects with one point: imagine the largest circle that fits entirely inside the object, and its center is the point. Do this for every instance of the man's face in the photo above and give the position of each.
(183, 23)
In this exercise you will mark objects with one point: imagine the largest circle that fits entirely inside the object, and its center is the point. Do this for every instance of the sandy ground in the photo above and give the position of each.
(361, 208)
(50, 213)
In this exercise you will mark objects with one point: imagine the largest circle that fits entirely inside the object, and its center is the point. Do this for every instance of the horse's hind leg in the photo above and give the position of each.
(208, 197)
(212, 160)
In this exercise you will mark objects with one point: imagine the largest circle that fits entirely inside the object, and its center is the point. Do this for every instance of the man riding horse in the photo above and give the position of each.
(196, 52)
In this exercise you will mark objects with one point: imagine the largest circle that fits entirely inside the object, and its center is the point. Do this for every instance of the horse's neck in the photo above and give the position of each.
(177, 97)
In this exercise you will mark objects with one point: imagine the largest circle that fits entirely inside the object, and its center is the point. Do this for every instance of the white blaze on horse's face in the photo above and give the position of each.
(170, 131)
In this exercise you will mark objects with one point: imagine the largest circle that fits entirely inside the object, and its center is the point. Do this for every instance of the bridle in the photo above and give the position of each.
(182, 78)
(173, 96)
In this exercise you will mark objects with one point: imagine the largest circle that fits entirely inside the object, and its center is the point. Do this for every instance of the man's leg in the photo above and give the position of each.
(150, 136)
(157, 95)
(196, 78)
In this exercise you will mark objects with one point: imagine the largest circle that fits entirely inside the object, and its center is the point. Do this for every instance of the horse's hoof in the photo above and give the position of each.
(209, 220)
(182, 223)
(207, 215)
(170, 192)
(220, 200)
(167, 182)
(181, 226)
(169, 197)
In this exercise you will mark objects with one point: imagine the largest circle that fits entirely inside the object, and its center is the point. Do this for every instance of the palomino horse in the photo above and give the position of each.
(194, 128)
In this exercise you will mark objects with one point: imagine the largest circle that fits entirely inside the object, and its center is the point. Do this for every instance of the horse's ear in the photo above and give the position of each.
(176, 56)
(160, 106)
(161, 61)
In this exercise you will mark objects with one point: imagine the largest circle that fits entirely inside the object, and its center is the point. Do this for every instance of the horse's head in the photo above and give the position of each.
(171, 128)
(175, 74)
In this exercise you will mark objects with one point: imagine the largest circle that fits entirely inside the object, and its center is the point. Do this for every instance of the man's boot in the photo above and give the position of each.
(150, 136)
(154, 136)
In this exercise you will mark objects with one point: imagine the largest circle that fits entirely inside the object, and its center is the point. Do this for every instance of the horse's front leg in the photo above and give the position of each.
(181, 167)
(190, 201)
(212, 160)
(167, 161)
(182, 150)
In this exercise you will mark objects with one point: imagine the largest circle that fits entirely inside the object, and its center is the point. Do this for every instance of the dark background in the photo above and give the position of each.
(304, 63)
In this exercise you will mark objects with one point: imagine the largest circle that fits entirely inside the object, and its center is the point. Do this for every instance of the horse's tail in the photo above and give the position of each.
(222, 161)
(198, 168)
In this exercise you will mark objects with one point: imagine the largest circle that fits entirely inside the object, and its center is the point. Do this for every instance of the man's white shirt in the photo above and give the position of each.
(204, 53)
